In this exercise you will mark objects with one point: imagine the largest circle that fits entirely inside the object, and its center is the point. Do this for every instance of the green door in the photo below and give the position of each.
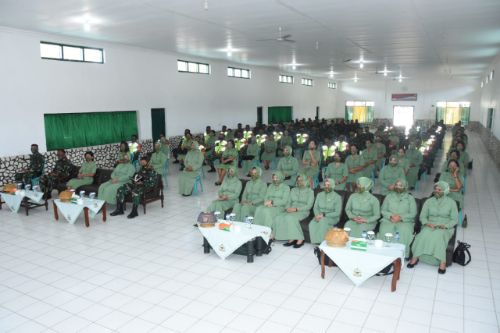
(157, 123)
(279, 114)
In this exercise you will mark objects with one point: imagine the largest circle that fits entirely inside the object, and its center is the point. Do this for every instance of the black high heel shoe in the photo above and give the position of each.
(298, 246)
(290, 243)
(410, 265)
(441, 271)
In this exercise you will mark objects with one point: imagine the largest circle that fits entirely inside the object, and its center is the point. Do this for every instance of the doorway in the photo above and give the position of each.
(259, 115)
(317, 113)
(489, 120)
(157, 123)
(403, 116)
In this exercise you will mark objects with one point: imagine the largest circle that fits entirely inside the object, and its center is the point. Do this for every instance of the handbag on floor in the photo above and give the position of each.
(461, 255)
(328, 262)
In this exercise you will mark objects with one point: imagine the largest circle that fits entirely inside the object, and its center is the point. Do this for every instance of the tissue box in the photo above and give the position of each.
(359, 245)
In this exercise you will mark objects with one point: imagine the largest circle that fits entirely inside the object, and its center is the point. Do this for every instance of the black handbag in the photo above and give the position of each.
(461, 255)
(328, 262)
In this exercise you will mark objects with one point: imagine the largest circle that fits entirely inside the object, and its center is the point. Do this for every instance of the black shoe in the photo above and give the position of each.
(298, 246)
(211, 170)
(118, 210)
(186, 195)
(217, 183)
(176, 162)
(290, 243)
(133, 213)
(410, 265)
(441, 271)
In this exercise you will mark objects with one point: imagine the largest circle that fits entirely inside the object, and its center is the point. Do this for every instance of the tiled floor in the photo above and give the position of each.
(150, 275)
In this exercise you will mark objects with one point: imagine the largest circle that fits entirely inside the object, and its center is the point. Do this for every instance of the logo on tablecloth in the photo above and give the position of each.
(357, 272)
(222, 248)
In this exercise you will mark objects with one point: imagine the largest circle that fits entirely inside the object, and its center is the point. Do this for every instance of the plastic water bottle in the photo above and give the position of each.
(364, 234)
(396, 237)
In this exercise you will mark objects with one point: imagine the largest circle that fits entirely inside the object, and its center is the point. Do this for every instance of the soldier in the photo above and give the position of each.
(143, 180)
(35, 168)
(59, 175)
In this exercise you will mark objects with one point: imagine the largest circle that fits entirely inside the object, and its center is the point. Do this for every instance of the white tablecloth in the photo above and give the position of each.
(359, 266)
(13, 201)
(71, 211)
(226, 242)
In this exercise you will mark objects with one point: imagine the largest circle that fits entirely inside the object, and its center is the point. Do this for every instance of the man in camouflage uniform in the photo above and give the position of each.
(59, 175)
(35, 168)
(143, 180)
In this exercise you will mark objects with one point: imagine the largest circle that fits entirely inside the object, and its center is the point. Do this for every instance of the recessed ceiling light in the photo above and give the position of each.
(205, 5)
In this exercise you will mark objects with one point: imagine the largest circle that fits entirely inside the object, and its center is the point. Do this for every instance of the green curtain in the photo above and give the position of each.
(279, 114)
(464, 115)
(348, 112)
(72, 130)
(440, 113)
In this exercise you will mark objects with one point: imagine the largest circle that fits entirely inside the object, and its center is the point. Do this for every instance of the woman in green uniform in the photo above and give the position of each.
(286, 140)
(158, 162)
(228, 159)
(288, 166)
(120, 175)
(269, 154)
(253, 196)
(454, 180)
(193, 162)
(287, 224)
(362, 208)
(327, 210)
(251, 157)
(85, 174)
(390, 174)
(337, 171)
(398, 214)
(123, 154)
(415, 158)
(370, 157)
(275, 201)
(403, 160)
(229, 193)
(464, 157)
(310, 162)
(439, 216)
(355, 165)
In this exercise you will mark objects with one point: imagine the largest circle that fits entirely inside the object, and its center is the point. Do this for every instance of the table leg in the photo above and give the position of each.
(206, 246)
(251, 251)
(104, 212)
(259, 244)
(56, 213)
(322, 264)
(86, 214)
(395, 275)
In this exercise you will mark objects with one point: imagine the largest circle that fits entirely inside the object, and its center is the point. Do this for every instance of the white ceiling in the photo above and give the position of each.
(457, 38)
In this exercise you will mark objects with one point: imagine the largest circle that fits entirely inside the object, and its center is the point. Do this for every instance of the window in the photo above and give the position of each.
(192, 67)
(238, 72)
(403, 116)
(362, 111)
(306, 82)
(332, 85)
(492, 75)
(286, 79)
(452, 112)
(76, 53)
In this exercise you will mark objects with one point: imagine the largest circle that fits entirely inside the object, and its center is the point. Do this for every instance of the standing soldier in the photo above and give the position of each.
(143, 180)
(35, 168)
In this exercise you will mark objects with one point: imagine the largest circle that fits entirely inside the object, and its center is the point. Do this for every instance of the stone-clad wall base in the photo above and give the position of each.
(491, 143)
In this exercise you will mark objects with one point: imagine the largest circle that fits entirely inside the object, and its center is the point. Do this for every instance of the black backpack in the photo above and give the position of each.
(328, 262)
(461, 253)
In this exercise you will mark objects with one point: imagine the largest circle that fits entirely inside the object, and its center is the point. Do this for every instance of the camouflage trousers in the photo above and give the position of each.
(133, 189)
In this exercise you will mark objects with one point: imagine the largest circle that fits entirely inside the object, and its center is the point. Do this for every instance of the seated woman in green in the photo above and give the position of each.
(228, 193)
(453, 178)
(193, 162)
(288, 166)
(158, 162)
(415, 159)
(275, 201)
(269, 153)
(327, 210)
(228, 159)
(287, 224)
(355, 164)
(251, 156)
(337, 171)
(403, 160)
(123, 154)
(121, 175)
(398, 214)
(455, 156)
(310, 162)
(85, 174)
(253, 196)
(390, 174)
(464, 157)
(370, 155)
(439, 216)
(362, 208)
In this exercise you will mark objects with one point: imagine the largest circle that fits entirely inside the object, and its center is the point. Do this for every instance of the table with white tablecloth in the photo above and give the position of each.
(359, 266)
(72, 210)
(14, 200)
(225, 242)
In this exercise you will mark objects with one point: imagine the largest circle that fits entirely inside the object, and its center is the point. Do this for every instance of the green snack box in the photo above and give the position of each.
(359, 245)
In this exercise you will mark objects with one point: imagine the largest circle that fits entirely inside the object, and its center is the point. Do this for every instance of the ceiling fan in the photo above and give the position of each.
(280, 38)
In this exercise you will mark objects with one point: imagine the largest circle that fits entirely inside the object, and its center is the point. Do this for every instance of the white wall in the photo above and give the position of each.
(430, 90)
(490, 98)
(134, 79)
